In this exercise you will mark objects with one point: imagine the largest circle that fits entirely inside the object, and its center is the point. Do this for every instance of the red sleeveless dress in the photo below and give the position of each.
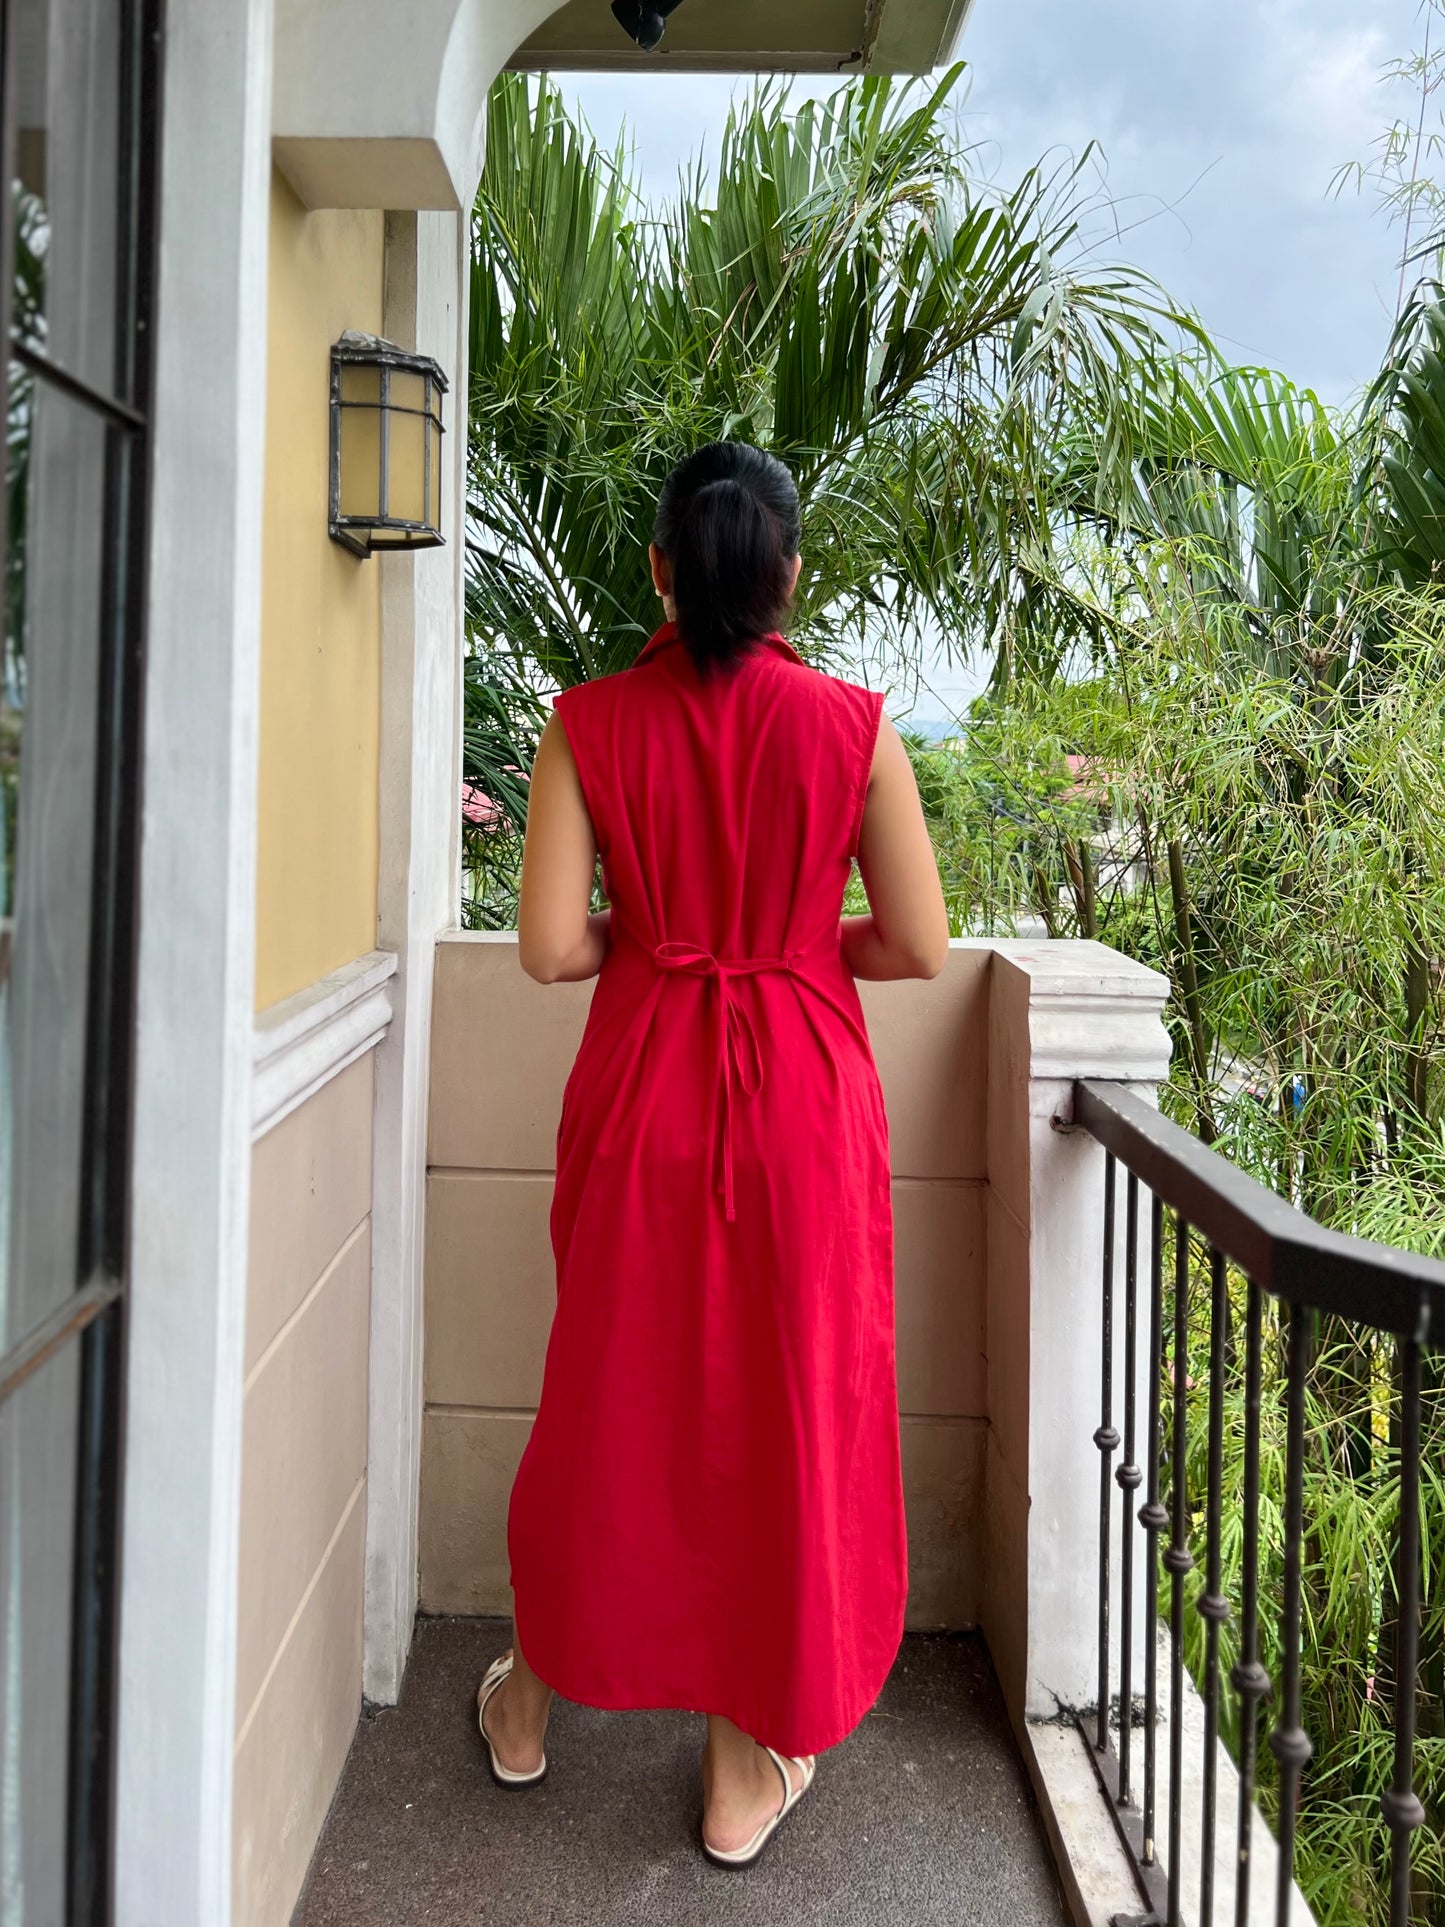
(708, 1513)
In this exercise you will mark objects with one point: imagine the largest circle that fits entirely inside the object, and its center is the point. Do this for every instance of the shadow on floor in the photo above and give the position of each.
(922, 1817)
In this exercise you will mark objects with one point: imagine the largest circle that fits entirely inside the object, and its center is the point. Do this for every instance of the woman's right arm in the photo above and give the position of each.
(560, 940)
(906, 931)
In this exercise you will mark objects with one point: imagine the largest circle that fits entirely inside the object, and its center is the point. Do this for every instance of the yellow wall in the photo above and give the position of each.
(321, 619)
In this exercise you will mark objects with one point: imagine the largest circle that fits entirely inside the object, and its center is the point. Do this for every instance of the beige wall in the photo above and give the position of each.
(320, 619)
(502, 1047)
(303, 1487)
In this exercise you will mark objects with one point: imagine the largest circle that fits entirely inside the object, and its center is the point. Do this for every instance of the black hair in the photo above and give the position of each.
(729, 523)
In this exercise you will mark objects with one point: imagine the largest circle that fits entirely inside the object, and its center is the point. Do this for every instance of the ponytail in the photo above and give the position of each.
(729, 523)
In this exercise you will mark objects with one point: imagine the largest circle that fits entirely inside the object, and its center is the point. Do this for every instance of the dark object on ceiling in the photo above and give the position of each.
(644, 24)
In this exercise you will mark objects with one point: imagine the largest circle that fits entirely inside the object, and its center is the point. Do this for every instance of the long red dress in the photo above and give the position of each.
(709, 1510)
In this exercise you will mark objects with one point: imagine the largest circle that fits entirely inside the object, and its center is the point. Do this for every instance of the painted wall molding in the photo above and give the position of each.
(302, 1042)
(1091, 1011)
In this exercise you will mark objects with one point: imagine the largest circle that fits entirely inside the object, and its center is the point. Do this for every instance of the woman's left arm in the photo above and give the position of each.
(559, 939)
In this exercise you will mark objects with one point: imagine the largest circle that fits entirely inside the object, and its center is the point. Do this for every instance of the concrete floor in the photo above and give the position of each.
(922, 1817)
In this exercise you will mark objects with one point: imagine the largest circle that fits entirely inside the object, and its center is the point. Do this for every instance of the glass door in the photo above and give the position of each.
(79, 112)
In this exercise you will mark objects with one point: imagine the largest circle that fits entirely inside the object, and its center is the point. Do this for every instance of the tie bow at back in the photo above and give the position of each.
(739, 1052)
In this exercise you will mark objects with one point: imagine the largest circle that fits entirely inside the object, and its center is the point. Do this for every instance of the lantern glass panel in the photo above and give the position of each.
(434, 458)
(360, 383)
(406, 466)
(408, 389)
(360, 459)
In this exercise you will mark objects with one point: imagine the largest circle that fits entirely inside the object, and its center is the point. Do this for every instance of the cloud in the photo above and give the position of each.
(1222, 129)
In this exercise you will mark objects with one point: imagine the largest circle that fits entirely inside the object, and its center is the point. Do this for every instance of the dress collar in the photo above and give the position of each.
(660, 639)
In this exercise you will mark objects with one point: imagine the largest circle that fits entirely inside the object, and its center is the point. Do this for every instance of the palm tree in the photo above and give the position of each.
(846, 294)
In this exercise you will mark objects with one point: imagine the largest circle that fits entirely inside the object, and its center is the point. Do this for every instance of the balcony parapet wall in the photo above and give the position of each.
(997, 1227)
(502, 1046)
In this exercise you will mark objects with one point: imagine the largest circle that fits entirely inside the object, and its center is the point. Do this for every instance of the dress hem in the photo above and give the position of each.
(550, 1676)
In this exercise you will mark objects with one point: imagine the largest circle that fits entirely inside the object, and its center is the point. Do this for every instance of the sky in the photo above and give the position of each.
(1219, 127)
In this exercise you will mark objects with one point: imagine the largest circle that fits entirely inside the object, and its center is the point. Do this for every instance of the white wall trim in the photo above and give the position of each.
(191, 1165)
(1092, 1011)
(417, 894)
(369, 116)
(304, 1041)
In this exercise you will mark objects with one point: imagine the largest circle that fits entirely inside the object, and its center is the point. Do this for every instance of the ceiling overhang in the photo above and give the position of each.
(754, 36)
(382, 103)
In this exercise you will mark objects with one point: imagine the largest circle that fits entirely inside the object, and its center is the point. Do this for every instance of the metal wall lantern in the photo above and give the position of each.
(386, 446)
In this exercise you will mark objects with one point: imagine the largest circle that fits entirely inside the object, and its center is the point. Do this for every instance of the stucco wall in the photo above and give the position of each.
(303, 1487)
(501, 1049)
(317, 831)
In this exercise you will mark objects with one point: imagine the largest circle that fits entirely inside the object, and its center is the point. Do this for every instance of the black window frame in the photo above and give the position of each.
(93, 1317)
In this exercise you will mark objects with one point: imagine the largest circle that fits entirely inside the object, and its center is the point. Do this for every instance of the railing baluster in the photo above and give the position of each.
(1400, 1803)
(1293, 1271)
(1211, 1605)
(1248, 1676)
(1106, 1438)
(1154, 1520)
(1289, 1742)
(1178, 1560)
(1129, 1478)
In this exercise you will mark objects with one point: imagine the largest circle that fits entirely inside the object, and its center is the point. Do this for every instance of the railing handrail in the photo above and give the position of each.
(1286, 1253)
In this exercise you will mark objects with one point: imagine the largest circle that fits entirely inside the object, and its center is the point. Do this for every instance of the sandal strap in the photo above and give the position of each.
(790, 1792)
(493, 1677)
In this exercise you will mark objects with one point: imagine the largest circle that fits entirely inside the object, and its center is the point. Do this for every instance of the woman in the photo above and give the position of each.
(709, 1511)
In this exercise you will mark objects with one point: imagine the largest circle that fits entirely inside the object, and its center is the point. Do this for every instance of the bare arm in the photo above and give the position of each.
(559, 940)
(906, 934)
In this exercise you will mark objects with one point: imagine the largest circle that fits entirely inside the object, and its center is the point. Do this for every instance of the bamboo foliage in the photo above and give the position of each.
(1264, 702)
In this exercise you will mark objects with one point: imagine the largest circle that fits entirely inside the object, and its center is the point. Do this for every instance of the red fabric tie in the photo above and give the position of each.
(734, 1031)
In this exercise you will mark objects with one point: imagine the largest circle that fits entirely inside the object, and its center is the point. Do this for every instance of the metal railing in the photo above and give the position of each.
(1292, 1270)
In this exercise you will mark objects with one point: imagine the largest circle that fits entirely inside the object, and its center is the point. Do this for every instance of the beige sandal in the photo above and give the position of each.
(504, 1776)
(745, 1855)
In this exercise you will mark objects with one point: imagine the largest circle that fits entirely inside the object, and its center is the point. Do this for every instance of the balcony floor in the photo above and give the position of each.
(923, 1816)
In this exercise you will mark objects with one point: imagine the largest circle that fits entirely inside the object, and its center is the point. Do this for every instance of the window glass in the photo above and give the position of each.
(77, 125)
(37, 1529)
(67, 144)
(49, 699)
